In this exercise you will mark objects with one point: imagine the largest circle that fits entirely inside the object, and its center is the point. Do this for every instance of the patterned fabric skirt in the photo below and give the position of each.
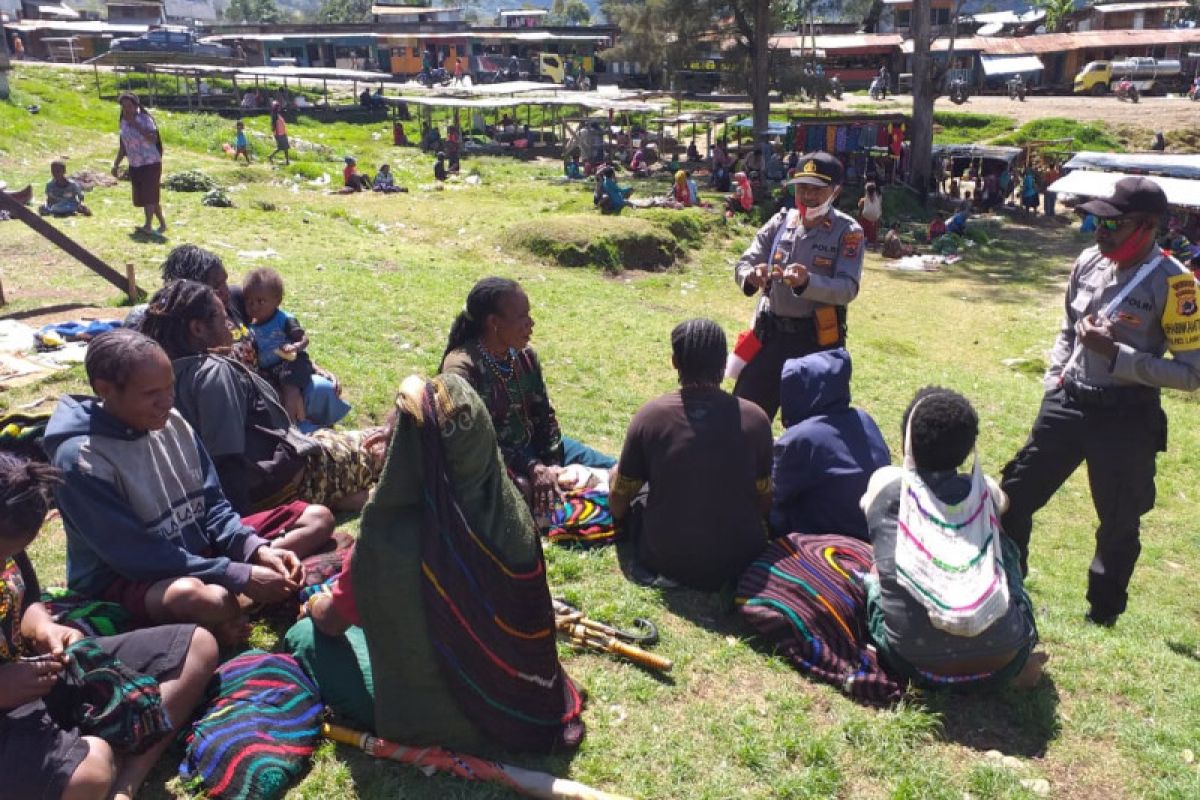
(341, 467)
(806, 595)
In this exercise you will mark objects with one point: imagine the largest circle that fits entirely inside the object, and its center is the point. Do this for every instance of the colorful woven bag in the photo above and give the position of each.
(582, 516)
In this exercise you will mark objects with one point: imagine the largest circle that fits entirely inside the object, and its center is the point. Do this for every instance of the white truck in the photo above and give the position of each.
(1147, 74)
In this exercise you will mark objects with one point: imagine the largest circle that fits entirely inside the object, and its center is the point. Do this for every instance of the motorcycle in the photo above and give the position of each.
(434, 77)
(1194, 93)
(835, 88)
(1016, 89)
(583, 82)
(877, 90)
(959, 92)
(1127, 90)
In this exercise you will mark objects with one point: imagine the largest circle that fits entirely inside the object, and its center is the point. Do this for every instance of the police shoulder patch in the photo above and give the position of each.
(1180, 317)
(852, 243)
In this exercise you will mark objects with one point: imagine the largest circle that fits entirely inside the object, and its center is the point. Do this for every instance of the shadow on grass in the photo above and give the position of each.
(1185, 650)
(1013, 721)
(1035, 256)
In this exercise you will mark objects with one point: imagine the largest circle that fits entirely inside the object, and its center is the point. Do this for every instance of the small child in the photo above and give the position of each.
(241, 147)
(281, 340)
(64, 197)
(439, 167)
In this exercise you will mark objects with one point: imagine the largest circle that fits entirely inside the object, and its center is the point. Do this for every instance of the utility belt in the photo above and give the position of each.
(825, 328)
(1086, 396)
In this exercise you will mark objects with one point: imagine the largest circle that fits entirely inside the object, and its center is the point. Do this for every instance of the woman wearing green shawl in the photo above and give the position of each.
(449, 586)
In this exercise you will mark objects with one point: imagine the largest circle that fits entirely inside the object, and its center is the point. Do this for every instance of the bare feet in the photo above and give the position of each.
(1031, 675)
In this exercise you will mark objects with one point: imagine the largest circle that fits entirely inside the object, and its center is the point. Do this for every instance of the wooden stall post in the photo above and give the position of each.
(131, 282)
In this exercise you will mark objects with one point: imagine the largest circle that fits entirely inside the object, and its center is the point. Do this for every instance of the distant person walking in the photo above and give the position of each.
(279, 129)
(142, 145)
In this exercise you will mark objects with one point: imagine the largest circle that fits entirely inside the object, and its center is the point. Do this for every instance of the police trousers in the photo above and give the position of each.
(1119, 441)
(783, 338)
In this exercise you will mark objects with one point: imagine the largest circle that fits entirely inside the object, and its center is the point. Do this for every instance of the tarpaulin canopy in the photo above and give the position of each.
(1171, 166)
(774, 128)
(1010, 65)
(1180, 191)
(1006, 154)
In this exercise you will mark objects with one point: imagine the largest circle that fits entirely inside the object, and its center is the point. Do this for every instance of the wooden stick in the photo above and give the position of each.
(526, 781)
(131, 282)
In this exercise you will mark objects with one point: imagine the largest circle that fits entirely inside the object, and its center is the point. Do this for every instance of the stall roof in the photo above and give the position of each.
(1063, 42)
(75, 26)
(313, 73)
(774, 127)
(515, 34)
(585, 101)
(1170, 165)
(1117, 8)
(1009, 65)
(1179, 191)
(693, 117)
(1007, 154)
(833, 43)
(405, 11)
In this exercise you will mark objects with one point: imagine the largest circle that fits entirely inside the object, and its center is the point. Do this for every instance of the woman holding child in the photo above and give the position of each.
(489, 348)
(261, 458)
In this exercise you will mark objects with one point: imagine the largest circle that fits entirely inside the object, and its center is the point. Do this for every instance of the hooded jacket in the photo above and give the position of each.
(142, 505)
(828, 453)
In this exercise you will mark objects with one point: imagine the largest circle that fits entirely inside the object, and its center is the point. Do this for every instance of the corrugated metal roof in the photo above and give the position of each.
(1117, 8)
(1062, 42)
(1179, 191)
(405, 11)
(839, 41)
(80, 26)
(1175, 165)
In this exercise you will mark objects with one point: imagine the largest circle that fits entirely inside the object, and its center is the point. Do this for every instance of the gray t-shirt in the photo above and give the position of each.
(906, 621)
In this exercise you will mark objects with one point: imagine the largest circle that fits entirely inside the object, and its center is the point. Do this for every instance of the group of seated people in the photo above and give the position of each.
(190, 496)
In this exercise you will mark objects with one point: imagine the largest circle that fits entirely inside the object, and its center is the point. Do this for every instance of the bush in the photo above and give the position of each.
(192, 180)
(217, 199)
(1086, 135)
(611, 243)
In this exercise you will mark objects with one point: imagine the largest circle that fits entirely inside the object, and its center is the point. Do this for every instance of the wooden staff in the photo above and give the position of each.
(526, 781)
(583, 632)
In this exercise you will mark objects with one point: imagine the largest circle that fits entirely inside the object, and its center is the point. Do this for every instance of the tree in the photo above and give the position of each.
(661, 35)
(1058, 12)
(569, 12)
(254, 11)
(928, 79)
(345, 11)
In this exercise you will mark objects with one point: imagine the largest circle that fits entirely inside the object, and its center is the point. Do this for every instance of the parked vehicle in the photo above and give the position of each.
(435, 77)
(1016, 88)
(959, 93)
(553, 68)
(1127, 90)
(170, 40)
(1148, 74)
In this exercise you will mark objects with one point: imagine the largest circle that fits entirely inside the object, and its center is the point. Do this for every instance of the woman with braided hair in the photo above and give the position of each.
(263, 461)
(706, 456)
(489, 348)
(323, 404)
(43, 754)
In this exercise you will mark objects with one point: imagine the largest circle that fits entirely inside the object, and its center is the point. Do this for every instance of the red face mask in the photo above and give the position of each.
(1132, 246)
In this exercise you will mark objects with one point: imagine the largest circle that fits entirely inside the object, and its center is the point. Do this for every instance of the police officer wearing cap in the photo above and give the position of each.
(1127, 305)
(807, 262)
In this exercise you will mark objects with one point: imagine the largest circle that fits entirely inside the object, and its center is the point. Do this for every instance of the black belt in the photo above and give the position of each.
(804, 325)
(1110, 396)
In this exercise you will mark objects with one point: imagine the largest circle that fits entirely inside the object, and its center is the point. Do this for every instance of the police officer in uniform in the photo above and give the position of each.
(1127, 304)
(807, 263)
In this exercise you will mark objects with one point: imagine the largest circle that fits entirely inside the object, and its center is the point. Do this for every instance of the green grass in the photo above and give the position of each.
(377, 280)
(961, 127)
(1084, 135)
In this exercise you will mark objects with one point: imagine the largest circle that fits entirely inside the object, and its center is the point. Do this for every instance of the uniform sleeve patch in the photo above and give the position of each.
(852, 243)
(1180, 320)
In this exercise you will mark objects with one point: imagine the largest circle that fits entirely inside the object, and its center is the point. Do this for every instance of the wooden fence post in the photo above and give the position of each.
(131, 280)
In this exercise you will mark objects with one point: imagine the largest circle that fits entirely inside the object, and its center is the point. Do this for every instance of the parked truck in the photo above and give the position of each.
(1147, 74)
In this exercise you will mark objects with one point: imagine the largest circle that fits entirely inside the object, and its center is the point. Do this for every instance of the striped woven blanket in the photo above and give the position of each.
(805, 595)
(262, 725)
(582, 516)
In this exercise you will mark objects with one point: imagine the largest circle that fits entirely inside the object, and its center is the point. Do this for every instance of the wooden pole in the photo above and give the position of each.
(131, 288)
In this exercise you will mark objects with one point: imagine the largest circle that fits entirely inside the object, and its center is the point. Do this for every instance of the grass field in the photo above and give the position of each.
(377, 280)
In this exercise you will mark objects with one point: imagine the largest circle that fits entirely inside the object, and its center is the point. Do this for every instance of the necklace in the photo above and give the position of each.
(506, 374)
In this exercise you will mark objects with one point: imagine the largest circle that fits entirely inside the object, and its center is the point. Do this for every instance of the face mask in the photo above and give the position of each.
(1132, 246)
(815, 212)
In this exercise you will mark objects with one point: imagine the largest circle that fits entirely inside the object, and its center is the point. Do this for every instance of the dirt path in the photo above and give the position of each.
(1152, 113)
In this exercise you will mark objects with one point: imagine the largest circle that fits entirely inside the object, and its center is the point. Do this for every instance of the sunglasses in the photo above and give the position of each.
(1114, 224)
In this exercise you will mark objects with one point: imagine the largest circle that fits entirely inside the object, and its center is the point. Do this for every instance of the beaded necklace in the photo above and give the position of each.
(506, 374)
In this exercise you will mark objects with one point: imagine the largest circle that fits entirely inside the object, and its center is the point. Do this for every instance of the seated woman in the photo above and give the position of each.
(261, 459)
(638, 164)
(323, 404)
(894, 246)
(742, 199)
(41, 755)
(937, 229)
(610, 197)
(947, 604)
(489, 348)
(680, 195)
(456, 645)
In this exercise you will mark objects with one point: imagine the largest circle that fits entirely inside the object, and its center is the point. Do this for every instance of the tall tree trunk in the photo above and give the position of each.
(924, 93)
(761, 73)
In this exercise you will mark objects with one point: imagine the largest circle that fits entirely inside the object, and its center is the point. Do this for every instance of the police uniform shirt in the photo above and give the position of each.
(1158, 315)
(832, 250)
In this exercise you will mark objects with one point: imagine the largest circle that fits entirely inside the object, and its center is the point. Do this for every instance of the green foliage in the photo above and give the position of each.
(958, 127)
(1058, 12)
(569, 12)
(344, 11)
(254, 11)
(1085, 135)
(217, 198)
(192, 180)
(610, 243)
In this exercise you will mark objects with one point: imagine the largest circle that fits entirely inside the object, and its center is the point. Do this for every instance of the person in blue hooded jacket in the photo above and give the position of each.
(825, 458)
